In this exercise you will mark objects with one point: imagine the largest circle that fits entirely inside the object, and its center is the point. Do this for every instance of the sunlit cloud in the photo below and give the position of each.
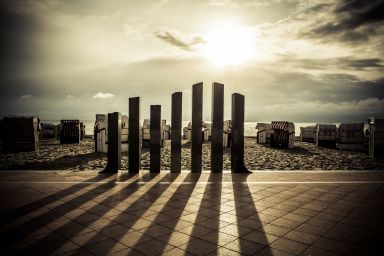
(103, 96)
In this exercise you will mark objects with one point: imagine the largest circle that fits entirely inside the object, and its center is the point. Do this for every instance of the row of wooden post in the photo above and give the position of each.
(134, 136)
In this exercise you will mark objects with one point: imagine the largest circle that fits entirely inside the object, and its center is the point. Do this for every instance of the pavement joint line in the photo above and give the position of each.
(199, 182)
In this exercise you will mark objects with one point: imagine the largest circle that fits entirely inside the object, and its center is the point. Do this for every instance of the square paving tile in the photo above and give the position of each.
(268, 251)
(133, 238)
(244, 247)
(198, 247)
(289, 246)
(195, 230)
(105, 247)
(88, 238)
(301, 237)
(175, 238)
(260, 237)
(274, 230)
(153, 247)
(218, 238)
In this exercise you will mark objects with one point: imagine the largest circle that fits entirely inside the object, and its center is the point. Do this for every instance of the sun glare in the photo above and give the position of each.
(228, 45)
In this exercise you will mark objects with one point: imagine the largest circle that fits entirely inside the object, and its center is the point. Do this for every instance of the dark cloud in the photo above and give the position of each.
(17, 32)
(178, 42)
(365, 63)
(345, 63)
(353, 21)
(361, 12)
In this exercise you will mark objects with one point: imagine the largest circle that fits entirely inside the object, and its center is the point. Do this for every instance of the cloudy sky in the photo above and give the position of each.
(303, 61)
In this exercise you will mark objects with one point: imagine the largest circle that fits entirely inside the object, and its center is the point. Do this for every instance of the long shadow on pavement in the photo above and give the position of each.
(146, 199)
(34, 228)
(50, 243)
(252, 238)
(165, 222)
(204, 236)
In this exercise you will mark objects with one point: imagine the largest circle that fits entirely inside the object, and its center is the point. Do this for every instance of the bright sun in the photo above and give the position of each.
(228, 45)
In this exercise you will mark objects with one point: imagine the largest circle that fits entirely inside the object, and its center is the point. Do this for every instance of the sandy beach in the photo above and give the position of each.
(77, 157)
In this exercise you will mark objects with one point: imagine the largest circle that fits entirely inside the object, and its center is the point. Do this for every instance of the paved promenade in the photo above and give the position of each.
(264, 213)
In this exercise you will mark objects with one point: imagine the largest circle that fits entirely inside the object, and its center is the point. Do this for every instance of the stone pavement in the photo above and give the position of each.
(264, 213)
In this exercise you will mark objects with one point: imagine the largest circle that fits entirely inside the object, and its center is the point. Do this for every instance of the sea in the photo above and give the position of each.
(249, 127)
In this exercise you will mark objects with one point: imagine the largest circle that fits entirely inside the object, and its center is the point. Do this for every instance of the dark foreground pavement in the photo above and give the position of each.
(265, 213)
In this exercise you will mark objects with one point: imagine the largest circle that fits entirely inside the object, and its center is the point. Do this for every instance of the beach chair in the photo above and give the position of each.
(326, 135)
(207, 131)
(70, 132)
(48, 130)
(307, 134)
(351, 136)
(283, 134)
(227, 132)
(264, 131)
(20, 133)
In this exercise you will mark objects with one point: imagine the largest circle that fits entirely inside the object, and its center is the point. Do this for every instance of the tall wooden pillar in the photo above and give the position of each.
(217, 127)
(114, 143)
(176, 120)
(134, 135)
(155, 138)
(237, 146)
(197, 122)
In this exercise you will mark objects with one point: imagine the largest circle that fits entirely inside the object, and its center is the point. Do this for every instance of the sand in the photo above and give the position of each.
(77, 157)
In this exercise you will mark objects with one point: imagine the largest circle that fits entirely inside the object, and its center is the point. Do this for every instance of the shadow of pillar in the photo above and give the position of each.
(54, 213)
(45, 246)
(204, 237)
(158, 188)
(179, 198)
(252, 238)
(35, 205)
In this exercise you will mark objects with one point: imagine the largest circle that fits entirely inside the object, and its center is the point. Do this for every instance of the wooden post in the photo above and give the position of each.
(237, 146)
(176, 132)
(134, 135)
(217, 127)
(114, 143)
(197, 122)
(155, 138)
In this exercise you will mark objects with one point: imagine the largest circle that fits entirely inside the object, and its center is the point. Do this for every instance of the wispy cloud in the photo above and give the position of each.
(332, 64)
(103, 96)
(26, 96)
(176, 40)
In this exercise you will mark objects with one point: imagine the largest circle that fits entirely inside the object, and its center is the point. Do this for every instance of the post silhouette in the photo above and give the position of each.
(197, 121)
(237, 145)
(176, 117)
(217, 127)
(134, 135)
(114, 143)
(155, 138)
